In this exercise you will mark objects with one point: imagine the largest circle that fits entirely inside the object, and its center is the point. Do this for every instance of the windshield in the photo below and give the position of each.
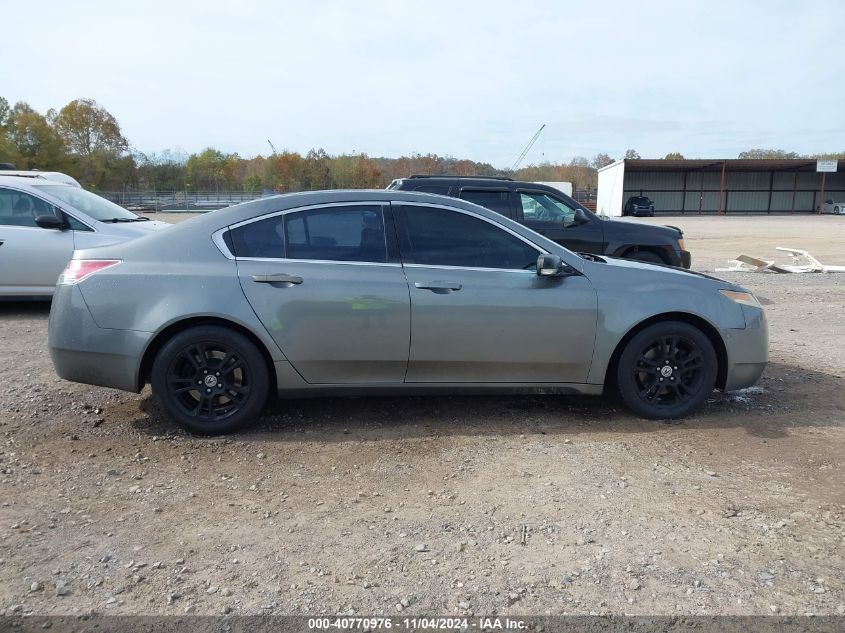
(89, 203)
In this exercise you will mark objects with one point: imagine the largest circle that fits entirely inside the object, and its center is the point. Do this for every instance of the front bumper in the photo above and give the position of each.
(84, 352)
(748, 350)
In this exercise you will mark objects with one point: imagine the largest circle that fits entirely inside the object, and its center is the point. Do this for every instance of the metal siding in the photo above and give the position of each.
(610, 185)
(748, 201)
(783, 181)
(654, 180)
(782, 200)
(804, 200)
(746, 180)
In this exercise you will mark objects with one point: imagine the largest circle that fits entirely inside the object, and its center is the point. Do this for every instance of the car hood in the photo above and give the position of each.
(679, 273)
(632, 227)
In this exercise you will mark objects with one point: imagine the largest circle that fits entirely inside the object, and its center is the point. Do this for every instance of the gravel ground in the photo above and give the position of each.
(507, 505)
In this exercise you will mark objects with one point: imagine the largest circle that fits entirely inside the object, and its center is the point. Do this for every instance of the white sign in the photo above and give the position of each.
(826, 165)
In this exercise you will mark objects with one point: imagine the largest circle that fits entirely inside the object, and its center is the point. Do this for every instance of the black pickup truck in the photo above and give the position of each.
(558, 217)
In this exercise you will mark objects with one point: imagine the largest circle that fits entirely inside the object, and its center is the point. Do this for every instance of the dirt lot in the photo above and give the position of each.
(418, 504)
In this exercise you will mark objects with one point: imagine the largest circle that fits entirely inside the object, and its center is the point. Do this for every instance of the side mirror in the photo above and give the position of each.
(50, 222)
(553, 266)
(581, 217)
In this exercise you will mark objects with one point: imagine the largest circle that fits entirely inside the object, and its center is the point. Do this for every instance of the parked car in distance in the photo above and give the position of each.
(43, 221)
(639, 206)
(833, 206)
(55, 176)
(368, 292)
(558, 217)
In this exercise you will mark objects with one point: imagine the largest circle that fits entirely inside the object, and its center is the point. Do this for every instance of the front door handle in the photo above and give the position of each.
(439, 287)
(277, 278)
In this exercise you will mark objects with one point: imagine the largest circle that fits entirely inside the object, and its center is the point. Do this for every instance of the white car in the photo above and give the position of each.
(831, 206)
(42, 221)
(55, 176)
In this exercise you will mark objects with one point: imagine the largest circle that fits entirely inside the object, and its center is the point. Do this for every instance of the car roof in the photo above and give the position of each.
(51, 176)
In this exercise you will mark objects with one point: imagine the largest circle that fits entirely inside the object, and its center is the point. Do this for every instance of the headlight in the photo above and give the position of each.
(745, 298)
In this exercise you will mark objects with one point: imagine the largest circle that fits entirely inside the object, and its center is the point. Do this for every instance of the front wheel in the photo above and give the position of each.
(210, 380)
(667, 370)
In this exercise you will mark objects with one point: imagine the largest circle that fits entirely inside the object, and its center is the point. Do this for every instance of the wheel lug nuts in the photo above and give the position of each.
(199, 382)
(661, 380)
(208, 390)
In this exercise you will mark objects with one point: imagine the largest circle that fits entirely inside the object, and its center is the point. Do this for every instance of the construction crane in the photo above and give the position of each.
(527, 148)
(273, 147)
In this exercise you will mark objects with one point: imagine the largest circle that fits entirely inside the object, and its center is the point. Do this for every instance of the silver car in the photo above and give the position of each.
(350, 292)
(43, 221)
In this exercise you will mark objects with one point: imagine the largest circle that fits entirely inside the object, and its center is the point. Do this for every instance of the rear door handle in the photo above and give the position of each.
(277, 278)
(439, 287)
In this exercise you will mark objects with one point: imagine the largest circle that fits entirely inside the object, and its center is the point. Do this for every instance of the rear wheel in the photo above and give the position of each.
(646, 256)
(210, 380)
(667, 370)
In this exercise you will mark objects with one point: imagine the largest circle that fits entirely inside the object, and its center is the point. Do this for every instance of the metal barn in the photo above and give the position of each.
(719, 186)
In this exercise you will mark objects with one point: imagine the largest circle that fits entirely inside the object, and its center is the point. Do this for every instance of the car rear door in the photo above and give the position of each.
(31, 258)
(327, 284)
(555, 218)
(479, 311)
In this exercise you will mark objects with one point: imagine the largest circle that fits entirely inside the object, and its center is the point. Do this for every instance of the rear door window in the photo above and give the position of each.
(343, 233)
(264, 238)
(492, 199)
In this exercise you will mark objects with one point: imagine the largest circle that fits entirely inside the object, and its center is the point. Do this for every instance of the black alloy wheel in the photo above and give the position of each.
(210, 380)
(667, 370)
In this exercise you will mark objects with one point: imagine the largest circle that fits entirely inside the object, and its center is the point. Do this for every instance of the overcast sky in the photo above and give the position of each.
(467, 79)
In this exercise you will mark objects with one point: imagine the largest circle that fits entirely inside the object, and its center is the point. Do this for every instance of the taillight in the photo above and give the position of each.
(78, 269)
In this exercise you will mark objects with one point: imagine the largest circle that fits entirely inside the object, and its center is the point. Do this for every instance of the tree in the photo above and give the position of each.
(632, 154)
(86, 128)
(207, 170)
(31, 139)
(601, 160)
(767, 153)
(674, 156)
(8, 154)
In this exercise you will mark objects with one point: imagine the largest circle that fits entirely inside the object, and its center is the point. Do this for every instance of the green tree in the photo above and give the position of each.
(767, 153)
(674, 156)
(33, 141)
(88, 128)
(632, 154)
(96, 145)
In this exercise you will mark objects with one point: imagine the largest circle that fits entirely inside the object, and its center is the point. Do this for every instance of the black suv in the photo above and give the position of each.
(557, 216)
(639, 205)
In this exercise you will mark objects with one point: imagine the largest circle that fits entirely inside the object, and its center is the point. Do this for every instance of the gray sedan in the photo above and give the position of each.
(43, 221)
(350, 292)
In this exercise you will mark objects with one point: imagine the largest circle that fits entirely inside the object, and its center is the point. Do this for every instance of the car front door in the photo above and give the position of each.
(31, 258)
(555, 218)
(479, 311)
(327, 284)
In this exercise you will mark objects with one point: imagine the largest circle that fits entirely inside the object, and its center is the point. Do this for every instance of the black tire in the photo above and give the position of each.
(666, 371)
(210, 380)
(645, 256)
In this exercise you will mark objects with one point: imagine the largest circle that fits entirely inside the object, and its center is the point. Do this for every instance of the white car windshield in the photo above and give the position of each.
(90, 204)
